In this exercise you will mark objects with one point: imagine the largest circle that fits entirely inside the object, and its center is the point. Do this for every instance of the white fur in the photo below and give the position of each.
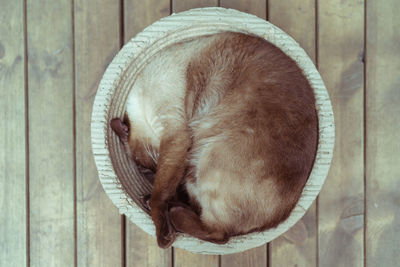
(157, 97)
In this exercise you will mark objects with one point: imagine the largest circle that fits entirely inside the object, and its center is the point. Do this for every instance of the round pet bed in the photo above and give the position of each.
(119, 176)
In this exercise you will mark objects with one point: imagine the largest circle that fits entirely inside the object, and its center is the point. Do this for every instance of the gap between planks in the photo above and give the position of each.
(316, 32)
(365, 134)
(75, 223)
(27, 192)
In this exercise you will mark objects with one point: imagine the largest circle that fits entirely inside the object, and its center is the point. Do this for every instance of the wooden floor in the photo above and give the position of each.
(54, 211)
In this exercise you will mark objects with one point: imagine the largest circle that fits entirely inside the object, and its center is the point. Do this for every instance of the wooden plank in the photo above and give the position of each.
(300, 242)
(382, 134)
(13, 249)
(256, 256)
(183, 258)
(140, 14)
(297, 18)
(182, 5)
(97, 35)
(341, 202)
(141, 248)
(51, 171)
(255, 7)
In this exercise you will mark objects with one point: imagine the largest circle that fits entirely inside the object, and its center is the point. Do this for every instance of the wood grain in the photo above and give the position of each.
(255, 256)
(141, 248)
(13, 249)
(97, 35)
(341, 202)
(383, 134)
(140, 14)
(296, 18)
(255, 7)
(300, 242)
(182, 257)
(182, 5)
(51, 173)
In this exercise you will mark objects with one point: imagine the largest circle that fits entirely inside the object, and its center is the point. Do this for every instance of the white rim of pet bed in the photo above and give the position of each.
(118, 174)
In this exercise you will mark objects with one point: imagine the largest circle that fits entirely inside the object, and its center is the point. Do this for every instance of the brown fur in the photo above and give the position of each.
(249, 133)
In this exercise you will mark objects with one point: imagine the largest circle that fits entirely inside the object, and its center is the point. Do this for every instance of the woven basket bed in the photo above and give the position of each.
(119, 176)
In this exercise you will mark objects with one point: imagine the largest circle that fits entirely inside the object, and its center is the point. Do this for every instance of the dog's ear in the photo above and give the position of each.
(120, 128)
